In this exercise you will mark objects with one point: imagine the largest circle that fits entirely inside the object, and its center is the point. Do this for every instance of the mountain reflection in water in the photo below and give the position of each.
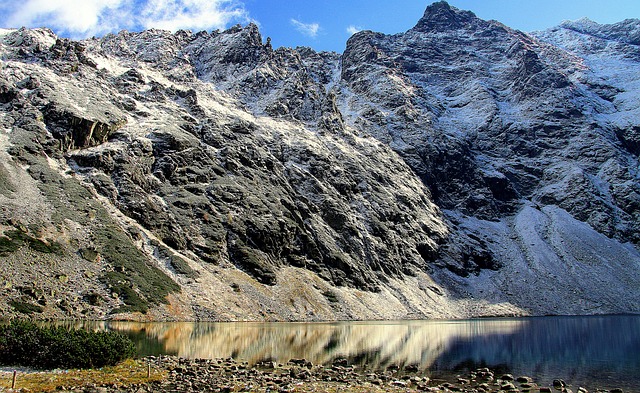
(596, 352)
(375, 344)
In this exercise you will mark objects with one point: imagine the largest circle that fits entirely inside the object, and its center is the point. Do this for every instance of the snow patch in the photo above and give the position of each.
(4, 32)
(109, 64)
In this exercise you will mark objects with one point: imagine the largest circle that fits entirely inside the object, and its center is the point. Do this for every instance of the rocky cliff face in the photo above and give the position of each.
(459, 169)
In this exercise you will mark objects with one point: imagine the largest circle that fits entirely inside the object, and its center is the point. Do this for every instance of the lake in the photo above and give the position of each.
(597, 352)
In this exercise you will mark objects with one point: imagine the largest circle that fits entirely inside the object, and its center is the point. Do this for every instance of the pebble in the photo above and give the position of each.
(558, 384)
(524, 379)
(300, 375)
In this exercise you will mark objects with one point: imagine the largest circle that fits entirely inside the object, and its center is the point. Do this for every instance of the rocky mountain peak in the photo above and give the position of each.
(462, 168)
(248, 36)
(626, 31)
(440, 16)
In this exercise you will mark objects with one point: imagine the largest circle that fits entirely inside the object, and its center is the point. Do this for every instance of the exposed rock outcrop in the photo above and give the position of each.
(462, 168)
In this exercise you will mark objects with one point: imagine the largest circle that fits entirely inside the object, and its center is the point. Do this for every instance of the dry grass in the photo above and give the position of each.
(126, 373)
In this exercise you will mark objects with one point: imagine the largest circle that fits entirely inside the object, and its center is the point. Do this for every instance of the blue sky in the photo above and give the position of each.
(320, 24)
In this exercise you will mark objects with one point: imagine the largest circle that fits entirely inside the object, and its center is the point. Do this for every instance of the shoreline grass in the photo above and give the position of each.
(129, 372)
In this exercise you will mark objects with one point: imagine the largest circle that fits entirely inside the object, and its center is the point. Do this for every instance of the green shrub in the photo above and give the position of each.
(149, 281)
(120, 285)
(6, 186)
(40, 246)
(8, 245)
(182, 267)
(331, 296)
(24, 307)
(71, 200)
(24, 343)
(12, 240)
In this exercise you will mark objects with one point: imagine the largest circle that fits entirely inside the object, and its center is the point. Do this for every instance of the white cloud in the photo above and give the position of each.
(79, 17)
(83, 18)
(353, 29)
(308, 29)
(191, 14)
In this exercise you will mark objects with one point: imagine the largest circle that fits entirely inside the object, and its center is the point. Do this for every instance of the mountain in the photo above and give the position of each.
(459, 169)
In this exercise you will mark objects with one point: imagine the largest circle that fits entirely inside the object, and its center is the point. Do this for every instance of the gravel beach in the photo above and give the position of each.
(300, 375)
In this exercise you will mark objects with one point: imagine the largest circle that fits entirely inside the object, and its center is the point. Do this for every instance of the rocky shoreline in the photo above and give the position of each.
(300, 375)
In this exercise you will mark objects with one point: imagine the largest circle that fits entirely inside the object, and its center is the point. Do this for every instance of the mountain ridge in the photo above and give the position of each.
(459, 169)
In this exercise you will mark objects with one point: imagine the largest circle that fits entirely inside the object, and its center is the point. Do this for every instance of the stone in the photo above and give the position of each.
(340, 362)
(524, 379)
(412, 368)
(233, 377)
(98, 389)
(559, 384)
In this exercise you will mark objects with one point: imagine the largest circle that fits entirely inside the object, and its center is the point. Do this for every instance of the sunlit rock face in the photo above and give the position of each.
(459, 169)
(499, 123)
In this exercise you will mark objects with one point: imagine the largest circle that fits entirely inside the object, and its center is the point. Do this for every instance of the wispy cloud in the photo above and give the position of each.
(308, 29)
(73, 16)
(191, 14)
(353, 29)
(83, 18)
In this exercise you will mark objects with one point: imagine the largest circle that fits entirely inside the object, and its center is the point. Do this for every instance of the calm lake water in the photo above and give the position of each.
(594, 352)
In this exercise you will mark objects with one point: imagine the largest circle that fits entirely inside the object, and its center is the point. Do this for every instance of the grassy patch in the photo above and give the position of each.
(25, 307)
(179, 264)
(13, 240)
(6, 187)
(182, 267)
(89, 254)
(8, 245)
(122, 286)
(331, 296)
(128, 372)
(41, 246)
(131, 270)
(138, 283)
